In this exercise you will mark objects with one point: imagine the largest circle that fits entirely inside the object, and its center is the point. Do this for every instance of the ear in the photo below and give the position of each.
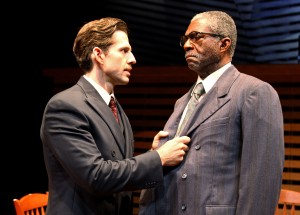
(98, 54)
(225, 44)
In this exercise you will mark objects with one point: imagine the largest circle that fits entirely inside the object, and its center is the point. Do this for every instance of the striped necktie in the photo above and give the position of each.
(198, 91)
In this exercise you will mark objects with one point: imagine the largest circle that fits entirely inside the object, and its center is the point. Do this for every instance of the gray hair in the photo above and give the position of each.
(220, 23)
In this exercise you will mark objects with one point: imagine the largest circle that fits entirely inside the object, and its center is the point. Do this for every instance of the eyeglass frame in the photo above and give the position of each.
(185, 38)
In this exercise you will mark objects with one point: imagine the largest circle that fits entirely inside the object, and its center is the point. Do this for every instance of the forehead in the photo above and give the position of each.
(199, 24)
(120, 38)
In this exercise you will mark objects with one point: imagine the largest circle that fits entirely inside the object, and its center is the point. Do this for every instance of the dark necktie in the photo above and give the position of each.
(198, 91)
(113, 107)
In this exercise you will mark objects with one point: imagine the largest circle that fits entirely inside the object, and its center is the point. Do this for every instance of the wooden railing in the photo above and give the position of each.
(149, 99)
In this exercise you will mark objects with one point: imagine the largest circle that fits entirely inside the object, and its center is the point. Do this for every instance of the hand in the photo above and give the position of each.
(157, 137)
(171, 153)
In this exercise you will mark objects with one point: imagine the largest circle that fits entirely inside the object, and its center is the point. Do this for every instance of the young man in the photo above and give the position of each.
(87, 151)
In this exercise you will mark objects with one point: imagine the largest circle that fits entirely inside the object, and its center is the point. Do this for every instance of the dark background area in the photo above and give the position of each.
(35, 37)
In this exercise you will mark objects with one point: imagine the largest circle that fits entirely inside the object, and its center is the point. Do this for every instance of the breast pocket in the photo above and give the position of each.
(212, 131)
(209, 141)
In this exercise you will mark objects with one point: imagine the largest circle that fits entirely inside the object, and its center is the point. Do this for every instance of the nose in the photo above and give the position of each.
(131, 59)
(187, 45)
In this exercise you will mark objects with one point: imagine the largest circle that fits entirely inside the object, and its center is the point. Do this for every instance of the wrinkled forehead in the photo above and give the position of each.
(199, 24)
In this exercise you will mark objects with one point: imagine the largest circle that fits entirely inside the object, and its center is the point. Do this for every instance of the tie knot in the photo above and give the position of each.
(199, 90)
(112, 102)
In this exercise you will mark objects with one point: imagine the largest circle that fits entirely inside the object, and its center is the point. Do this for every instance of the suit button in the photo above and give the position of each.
(113, 153)
(197, 147)
(184, 176)
(183, 207)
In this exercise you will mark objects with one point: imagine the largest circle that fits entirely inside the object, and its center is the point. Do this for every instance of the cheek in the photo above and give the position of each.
(212, 49)
(215, 46)
(112, 62)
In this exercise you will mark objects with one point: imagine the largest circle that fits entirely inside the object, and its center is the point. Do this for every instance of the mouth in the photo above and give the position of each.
(128, 72)
(190, 56)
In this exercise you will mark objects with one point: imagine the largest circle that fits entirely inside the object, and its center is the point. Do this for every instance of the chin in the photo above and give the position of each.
(192, 66)
(124, 81)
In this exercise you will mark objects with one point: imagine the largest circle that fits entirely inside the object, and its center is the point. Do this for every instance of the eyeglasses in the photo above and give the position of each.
(194, 36)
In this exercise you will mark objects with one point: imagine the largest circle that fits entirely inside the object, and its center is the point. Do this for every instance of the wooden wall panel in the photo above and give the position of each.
(149, 98)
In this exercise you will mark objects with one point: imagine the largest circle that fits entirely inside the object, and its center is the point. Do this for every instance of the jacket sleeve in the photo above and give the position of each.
(262, 158)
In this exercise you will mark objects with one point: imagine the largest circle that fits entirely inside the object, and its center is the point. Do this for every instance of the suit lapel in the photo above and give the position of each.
(104, 112)
(210, 103)
(173, 121)
(214, 99)
(127, 132)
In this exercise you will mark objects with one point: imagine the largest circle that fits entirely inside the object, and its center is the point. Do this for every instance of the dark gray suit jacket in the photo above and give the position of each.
(88, 155)
(235, 162)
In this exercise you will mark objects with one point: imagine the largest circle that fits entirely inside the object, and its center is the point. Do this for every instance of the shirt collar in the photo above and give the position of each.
(103, 93)
(210, 80)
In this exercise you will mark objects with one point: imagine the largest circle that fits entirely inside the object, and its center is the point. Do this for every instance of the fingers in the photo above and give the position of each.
(173, 151)
(186, 148)
(184, 139)
(182, 144)
(161, 134)
(157, 137)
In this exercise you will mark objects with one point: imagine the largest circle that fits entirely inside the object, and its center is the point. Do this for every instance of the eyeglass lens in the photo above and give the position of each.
(195, 35)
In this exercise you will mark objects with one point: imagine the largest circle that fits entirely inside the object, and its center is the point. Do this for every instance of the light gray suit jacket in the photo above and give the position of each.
(235, 161)
(88, 156)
